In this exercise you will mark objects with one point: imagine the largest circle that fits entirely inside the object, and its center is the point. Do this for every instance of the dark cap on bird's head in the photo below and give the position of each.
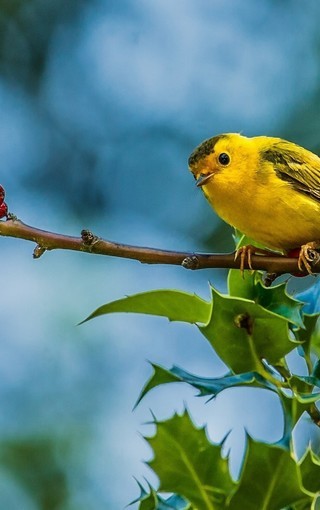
(203, 150)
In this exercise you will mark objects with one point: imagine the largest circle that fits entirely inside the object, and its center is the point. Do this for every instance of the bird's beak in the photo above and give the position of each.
(203, 179)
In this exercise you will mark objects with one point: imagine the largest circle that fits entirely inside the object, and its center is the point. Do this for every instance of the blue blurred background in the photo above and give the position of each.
(101, 104)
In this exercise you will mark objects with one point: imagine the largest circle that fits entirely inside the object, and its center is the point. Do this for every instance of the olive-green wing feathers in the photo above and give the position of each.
(296, 165)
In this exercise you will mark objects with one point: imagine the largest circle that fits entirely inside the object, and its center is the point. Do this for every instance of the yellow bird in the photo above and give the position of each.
(268, 188)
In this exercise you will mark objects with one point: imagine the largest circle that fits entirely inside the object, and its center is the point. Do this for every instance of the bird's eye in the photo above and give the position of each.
(224, 158)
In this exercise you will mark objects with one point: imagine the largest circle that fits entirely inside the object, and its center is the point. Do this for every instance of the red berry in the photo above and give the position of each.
(2, 194)
(3, 210)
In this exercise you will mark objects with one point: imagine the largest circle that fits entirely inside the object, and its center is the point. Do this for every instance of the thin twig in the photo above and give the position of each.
(89, 243)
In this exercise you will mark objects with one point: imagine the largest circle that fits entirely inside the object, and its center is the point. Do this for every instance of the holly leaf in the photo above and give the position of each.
(242, 285)
(310, 471)
(244, 333)
(152, 500)
(173, 304)
(269, 479)
(206, 386)
(187, 463)
(275, 298)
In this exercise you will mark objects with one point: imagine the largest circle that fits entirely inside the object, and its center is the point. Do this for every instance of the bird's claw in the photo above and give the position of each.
(245, 253)
(308, 256)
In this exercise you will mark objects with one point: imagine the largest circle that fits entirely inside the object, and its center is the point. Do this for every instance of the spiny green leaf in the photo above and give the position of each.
(241, 239)
(160, 376)
(205, 385)
(173, 304)
(187, 463)
(149, 502)
(243, 333)
(310, 471)
(269, 479)
(242, 285)
(143, 493)
(250, 286)
(154, 501)
(275, 298)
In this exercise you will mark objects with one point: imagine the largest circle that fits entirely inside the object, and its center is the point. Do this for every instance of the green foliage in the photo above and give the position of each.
(153, 501)
(310, 471)
(242, 327)
(37, 466)
(275, 299)
(252, 329)
(187, 462)
(205, 385)
(173, 304)
(194, 466)
(269, 479)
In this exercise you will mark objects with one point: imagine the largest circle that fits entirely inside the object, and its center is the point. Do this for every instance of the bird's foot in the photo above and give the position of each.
(245, 253)
(308, 256)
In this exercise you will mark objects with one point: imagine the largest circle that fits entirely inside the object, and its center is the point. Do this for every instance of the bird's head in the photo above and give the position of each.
(219, 154)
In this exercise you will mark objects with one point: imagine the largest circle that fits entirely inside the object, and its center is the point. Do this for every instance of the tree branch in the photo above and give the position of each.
(90, 243)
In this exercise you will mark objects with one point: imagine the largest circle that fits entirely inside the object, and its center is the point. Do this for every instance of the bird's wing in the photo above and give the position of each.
(296, 165)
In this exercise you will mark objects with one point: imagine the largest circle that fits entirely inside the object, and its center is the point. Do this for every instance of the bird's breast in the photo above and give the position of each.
(272, 213)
